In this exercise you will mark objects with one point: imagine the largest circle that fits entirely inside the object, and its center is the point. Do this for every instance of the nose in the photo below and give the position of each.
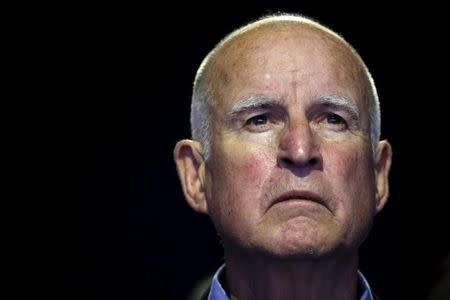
(298, 148)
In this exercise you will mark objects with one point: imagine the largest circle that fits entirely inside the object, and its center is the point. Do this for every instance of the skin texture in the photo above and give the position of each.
(291, 185)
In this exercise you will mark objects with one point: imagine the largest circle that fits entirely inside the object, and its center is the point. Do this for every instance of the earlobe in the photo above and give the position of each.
(382, 168)
(191, 171)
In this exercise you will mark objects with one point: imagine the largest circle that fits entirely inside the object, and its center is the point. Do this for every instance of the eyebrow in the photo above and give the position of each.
(252, 103)
(336, 102)
(340, 103)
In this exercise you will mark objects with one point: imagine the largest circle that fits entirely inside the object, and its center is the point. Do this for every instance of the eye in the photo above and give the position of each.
(335, 119)
(258, 120)
(259, 123)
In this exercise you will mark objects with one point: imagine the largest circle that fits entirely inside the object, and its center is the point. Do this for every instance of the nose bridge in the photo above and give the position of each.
(297, 142)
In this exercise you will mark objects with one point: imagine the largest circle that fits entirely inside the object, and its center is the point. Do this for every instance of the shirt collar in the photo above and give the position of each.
(218, 293)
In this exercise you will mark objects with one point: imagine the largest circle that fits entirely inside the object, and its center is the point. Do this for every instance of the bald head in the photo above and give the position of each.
(292, 40)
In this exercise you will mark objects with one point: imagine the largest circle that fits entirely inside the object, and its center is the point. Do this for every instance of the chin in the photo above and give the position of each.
(310, 245)
(303, 251)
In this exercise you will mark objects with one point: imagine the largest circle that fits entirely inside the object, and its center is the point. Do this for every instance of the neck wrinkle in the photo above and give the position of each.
(255, 277)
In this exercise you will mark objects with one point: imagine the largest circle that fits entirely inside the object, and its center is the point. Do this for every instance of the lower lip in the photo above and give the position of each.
(301, 203)
(298, 200)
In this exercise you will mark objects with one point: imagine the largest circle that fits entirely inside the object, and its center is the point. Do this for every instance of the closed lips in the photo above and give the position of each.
(300, 195)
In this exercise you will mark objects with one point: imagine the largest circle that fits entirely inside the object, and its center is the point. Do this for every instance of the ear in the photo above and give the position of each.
(382, 167)
(191, 171)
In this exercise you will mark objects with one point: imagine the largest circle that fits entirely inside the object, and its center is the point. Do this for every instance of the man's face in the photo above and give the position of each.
(291, 171)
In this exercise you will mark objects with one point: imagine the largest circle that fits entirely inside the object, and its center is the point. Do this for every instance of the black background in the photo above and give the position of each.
(120, 80)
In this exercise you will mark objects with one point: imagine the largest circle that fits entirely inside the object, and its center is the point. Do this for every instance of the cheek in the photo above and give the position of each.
(350, 171)
(247, 169)
(254, 170)
(351, 166)
(353, 187)
(237, 180)
(355, 182)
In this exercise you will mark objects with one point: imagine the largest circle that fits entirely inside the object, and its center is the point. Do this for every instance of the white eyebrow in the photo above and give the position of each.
(252, 103)
(332, 101)
(340, 103)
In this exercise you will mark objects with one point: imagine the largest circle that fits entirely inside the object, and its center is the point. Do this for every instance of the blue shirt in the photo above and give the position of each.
(218, 293)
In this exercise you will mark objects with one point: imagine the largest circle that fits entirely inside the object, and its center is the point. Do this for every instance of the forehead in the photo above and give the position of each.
(269, 58)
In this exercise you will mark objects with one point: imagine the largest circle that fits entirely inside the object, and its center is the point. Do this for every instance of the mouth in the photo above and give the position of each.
(296, 195)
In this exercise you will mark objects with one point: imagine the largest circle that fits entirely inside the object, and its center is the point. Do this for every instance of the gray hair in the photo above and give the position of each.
(202, 95)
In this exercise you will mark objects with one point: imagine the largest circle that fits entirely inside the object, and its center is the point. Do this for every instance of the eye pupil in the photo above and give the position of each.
(258, 120)
(334, 119)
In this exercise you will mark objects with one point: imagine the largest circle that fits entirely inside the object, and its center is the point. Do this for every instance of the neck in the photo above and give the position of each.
(256, 277)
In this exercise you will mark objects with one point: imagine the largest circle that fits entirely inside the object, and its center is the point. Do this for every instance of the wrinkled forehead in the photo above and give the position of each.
(306, 37)
(272, 47)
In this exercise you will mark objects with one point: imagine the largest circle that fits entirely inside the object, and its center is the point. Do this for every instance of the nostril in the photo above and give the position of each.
(289, 162)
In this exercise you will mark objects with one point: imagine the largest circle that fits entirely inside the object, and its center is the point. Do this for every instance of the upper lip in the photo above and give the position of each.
(300, 195)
